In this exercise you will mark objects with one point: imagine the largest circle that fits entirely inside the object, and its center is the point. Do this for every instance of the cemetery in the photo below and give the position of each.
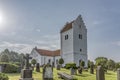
(43, 64)
(44, 40)
(85, 76)
(25, 71)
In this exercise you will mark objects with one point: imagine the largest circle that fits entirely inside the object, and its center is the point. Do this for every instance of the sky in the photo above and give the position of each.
(25, 24)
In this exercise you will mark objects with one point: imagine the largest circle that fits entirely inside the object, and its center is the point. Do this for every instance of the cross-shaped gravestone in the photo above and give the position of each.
(27, 57)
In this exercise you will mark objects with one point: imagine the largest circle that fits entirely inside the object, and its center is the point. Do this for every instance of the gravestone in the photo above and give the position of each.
(53, 65)
(100, 73)
(47, 72)
(26, 73)
(1, 68)
(91, 68)
(118, 74)
(37, 67)
(58, 66)
(73, 71)
(80, 70)
(57, 61)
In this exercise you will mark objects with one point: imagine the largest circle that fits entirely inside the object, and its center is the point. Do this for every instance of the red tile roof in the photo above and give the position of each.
(67, 27)
(48, 52)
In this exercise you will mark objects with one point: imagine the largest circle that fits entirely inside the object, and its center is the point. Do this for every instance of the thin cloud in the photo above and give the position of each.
(49, 42)
(14, 46)
(117, 43)
(38, 30)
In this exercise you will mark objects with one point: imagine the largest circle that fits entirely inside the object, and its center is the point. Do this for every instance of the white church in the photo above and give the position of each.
(73, 45)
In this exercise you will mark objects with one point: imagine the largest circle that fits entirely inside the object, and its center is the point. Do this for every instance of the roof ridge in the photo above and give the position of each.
(67, 26)
(48, 52)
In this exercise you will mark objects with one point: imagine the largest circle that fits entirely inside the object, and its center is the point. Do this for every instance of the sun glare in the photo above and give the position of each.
(1, 18)
(1, 22)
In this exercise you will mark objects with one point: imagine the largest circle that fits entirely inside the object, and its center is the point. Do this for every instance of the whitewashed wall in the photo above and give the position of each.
(70, 48)
(43, 59)
(35, 55)
(79, 28)
(67, 46)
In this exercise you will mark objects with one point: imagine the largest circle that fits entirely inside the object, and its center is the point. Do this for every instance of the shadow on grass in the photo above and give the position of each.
(13, 74)
(83, 75)
(36, 72)
(109, 73)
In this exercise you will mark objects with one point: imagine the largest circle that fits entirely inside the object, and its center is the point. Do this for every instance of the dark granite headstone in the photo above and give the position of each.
(80, 70)
(100, 73)
(37, 67)
(47, 72)
(58, 67)
(53, 65)
(26, 74)
(49, 61)
(91, 68)
(118, 74)
(57, 61)
(1, 68)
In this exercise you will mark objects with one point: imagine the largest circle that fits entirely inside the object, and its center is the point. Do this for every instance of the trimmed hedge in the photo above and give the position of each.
(70, 65)
(3, 76)
(9, 68)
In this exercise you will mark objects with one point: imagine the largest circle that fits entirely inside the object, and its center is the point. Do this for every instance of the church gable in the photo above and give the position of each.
(79, 22)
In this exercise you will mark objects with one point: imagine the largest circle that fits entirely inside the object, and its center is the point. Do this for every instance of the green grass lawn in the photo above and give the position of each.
(110, 75)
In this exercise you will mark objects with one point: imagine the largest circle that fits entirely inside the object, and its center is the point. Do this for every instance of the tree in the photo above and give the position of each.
(61, 61)
(101, 61)
(111, 64)
(117, 65)
(89, 63)
(33, 62)
(12, 55)
(91, 67)
(4, 58)
(82, 64)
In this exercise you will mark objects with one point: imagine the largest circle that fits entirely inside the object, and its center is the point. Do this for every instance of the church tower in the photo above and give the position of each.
(74, 42)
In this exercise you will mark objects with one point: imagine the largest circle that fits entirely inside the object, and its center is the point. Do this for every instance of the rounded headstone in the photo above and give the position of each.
(100, 73)
(118, 74)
